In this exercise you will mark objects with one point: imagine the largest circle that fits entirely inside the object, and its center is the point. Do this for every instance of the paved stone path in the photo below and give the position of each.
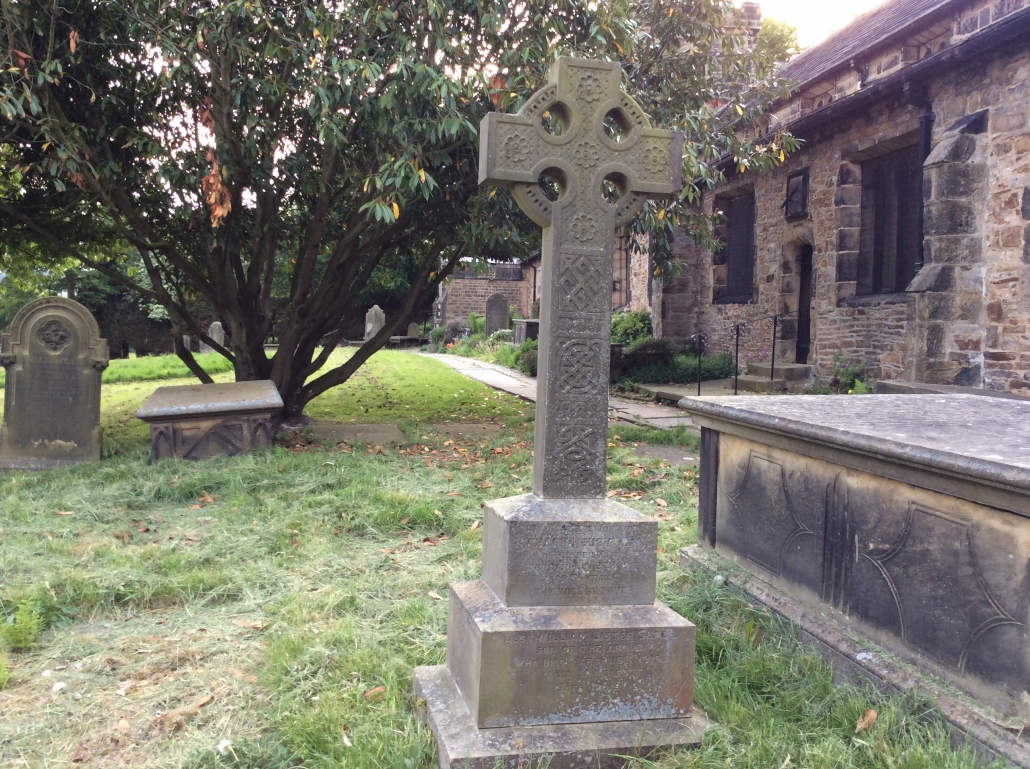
(517, 383)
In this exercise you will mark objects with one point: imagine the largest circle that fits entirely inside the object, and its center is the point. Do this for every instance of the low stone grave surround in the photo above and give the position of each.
(202, 421)
(560, 654)
(54, 358)
(905, 517)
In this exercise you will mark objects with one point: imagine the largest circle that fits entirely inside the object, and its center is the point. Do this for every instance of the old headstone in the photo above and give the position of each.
(375, 319)
(414, 331)
(202, 421)
(496, 313)
(217, 335)
(563, 628)
(54, 358)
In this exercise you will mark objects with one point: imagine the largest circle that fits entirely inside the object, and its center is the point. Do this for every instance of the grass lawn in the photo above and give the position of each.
(276, 603)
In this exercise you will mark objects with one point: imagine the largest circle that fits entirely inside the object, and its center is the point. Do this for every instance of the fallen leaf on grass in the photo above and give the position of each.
(373, 695)
(246, 677)
(638, 472)
(123, 725)
(403, 521)
(203, 701)
(484, 485)
(346, 742)
(612, 493)
(196, 507)
(434, 595)
(63, 512)
(207, 499)
(430, 541)
(245, 623)
(475, 525)
(865, 723)
(662, 516)
(81, 754)
(661, 502)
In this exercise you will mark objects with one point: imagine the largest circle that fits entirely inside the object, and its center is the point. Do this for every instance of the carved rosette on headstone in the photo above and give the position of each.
(54, 358)
(560, 653)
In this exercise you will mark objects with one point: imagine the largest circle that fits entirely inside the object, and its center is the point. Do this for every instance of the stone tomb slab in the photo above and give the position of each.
(907, 516)
(537, 665)
(202, 421)
(54, 358)
(461, 745)
(568, 552)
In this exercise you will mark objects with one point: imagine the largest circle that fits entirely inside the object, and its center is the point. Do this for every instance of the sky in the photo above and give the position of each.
(816, 19)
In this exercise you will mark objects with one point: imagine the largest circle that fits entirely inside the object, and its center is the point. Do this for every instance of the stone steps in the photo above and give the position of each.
(753, 383)
(791, 372)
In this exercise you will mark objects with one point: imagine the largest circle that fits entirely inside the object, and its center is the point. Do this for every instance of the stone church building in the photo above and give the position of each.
(899, 234)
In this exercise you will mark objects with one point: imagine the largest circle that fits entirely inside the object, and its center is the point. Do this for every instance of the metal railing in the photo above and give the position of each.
(745, 327)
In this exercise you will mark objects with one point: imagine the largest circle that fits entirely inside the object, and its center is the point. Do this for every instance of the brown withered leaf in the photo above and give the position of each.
(247, 624)
(434, 595)
(475, 525)
(217, 196)
(81, 754)
(73, 43)
(63, 512)
(206, 498)
(373, 695)
(661, 502)
(865, 723)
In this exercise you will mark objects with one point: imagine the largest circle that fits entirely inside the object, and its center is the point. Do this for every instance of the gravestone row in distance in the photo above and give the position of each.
(560, 652)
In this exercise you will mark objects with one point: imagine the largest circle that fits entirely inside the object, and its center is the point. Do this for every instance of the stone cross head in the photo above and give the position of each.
(596, 146)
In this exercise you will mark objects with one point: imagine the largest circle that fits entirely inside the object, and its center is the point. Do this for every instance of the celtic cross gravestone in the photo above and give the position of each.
(606, 161)
(560, 654)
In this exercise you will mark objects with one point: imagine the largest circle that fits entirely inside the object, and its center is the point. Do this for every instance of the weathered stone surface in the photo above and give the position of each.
(375, 319)
(202, 421)
(54, 358)
(496, 313)
(528, 666)
(577, 552)
(906, 513)
(578, 239)
(525, 329)
(461, 745)
(414, 331)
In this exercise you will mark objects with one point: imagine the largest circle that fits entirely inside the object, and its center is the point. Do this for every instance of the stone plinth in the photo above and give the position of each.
(568, 552)
(906, 516)
(538, 665)
(54, 358)
(462, 745)
(202, 421)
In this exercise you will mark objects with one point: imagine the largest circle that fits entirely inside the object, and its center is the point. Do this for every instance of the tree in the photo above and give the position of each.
(779, 40)
(235, 147)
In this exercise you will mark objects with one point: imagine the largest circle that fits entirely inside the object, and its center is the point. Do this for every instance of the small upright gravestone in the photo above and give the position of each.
(414, 332)
(217, 335)
(375, 319)
(560, 653)
(496, 313)
(54, 358)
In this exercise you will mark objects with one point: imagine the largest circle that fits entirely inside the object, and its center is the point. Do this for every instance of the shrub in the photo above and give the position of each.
(628, 327)
(526, 357)
(477, 324)
(860, 388)
(504, 335)
(845, 373)
(681, 369)
(649, 352)
(436, 335)
(21, 630)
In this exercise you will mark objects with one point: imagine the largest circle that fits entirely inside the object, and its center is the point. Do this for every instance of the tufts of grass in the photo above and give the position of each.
(676, 436)
(5, 674)
(156, 367)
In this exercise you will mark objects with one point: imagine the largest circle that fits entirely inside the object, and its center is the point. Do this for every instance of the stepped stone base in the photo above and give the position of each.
(461, 745)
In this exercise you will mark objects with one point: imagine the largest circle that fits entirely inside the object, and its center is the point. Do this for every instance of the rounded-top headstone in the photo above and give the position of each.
(496, 313)
(54, 358)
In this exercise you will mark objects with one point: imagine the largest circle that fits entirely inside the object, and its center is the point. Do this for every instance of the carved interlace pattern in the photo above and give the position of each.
(579, 367)
(516, 148)
(582, 282)
(590, 88)
(656, 158)
(586, 155)
(583, 228)
(54, 335)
